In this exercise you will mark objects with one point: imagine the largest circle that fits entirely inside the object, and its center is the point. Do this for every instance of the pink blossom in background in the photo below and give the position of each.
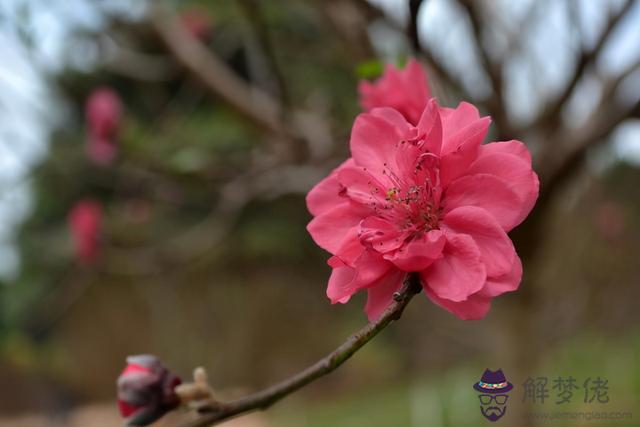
(103, 115)
(197, 22)
(405, 90)
(85, 220)
(426, 198)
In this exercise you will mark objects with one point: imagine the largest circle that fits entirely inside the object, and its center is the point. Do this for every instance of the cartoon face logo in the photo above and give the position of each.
(493, 388)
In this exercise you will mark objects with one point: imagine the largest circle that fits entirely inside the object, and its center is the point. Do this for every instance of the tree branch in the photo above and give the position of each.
(254, 104)
(412, 29)
(587, 57)
(516, 32)
(558, 160)
(347, 21)
(262, 35)
(442, 74)
(259, 107)
(602, 122)
(493, 70)
(265, 398)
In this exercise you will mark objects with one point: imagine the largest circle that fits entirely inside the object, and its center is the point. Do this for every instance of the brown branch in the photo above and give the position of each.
(493, 70)
(136, 65)
(601, 122)
(516, 35)
(586, 59)
(556, 167)
(262, 35)
(265, 398)
(566, 152)
(254, 104)
(446, 77)
(412, 28)
(610, 85)
(350, 25)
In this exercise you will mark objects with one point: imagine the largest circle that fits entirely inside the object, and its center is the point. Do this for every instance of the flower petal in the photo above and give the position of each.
(373, 141)
(326, 194)
(459, 273)
(419, 253)
(513, 169)
(330, 228)
(350, 248)
(393, 116)
(508, 282)
(475, 307)
(461, 149)
(359, 186)
(417, 80)
(380, 296)
(514, 147)
(455, 119)
(381, 235)
(341, 276)
(488, 192)
(368, 270)
(495, 247)
(430, 126)
(370, 267)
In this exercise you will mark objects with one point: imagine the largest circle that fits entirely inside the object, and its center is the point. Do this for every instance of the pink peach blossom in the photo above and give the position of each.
(85, 221)
(103, 111)
(425, 197)
(405, 90)
(103, 114)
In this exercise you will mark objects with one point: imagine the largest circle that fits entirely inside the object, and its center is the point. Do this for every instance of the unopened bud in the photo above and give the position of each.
(146, 390)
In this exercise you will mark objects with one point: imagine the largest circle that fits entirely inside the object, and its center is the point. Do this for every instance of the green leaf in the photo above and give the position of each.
(370, 69)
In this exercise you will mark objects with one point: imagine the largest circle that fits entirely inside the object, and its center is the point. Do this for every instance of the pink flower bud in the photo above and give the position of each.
(103, 114)
(85, 221)
(146, 390)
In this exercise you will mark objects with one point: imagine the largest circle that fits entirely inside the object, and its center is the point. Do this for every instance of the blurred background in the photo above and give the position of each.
(181, 139)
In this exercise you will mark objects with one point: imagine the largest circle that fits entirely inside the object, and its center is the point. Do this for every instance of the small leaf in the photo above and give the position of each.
(370, 69)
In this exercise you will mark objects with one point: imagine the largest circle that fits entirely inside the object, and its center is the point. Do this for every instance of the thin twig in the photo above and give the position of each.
(263, 39)
(412, 29)
(586, 58)
(350, 25)
(265, 398)
(444, 75)
(254, 104)
(554, 170)
(493, 69)
(289, 126)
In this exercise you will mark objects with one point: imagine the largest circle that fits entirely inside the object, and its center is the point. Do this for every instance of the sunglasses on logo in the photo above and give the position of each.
(500, 399)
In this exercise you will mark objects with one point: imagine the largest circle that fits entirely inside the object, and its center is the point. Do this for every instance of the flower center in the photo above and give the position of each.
(413, 200)
(414, 208)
